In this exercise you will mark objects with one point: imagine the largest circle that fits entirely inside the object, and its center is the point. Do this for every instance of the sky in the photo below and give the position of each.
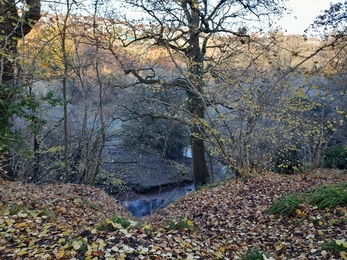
(303, 14)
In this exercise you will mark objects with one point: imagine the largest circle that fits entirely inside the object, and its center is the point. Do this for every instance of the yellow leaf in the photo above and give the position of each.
(115, 248)
(144, 250)
(339, 242)
(76, 245)
(147, 226)
(9, 223)
(20, 225)
(22, 214)
(124, 231)
(60, 254)
(343, 255)
(102, 243)
(22, 252)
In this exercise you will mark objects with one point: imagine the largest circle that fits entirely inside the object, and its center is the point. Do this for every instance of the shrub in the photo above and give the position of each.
(182, 224)
(110, 183)
(335, 245)
(324, 196)
(49, 214)
(287, 160)
(115, 223)
(286, 205)
(15, 208)
(336, 157)
(122, 221)
(328, 196)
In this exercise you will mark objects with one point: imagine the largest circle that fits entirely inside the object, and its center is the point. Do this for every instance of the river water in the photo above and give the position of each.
(147, 203)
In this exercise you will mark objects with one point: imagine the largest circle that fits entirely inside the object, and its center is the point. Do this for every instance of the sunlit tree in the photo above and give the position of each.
(16, 21)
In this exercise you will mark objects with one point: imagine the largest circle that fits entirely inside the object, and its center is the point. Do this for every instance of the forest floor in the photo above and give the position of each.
(225, 222)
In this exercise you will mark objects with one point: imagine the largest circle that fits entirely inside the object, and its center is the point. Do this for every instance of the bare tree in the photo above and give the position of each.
(190, 30)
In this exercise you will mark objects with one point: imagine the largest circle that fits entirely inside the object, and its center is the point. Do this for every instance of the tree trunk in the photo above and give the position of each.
(12, 28)
(201, 175)
(197, 108)
(64, 50)
(99, 142)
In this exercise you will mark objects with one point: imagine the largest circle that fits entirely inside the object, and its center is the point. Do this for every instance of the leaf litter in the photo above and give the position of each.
(69, 221)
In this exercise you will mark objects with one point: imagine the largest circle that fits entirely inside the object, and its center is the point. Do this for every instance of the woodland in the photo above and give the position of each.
(96, 95)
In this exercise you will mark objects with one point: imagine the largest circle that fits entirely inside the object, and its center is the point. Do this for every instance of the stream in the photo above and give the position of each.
(147, 203)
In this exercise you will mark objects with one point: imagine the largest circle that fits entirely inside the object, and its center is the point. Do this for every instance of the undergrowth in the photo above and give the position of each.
(335, 245)
(286, 205)
(115, 223)
(324, 196)
(181, 224)
(255, 254)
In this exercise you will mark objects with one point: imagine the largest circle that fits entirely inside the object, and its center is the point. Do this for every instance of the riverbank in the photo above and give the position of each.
(226, 222)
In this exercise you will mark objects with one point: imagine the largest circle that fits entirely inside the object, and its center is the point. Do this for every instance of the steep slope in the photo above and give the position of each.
(225, 222)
